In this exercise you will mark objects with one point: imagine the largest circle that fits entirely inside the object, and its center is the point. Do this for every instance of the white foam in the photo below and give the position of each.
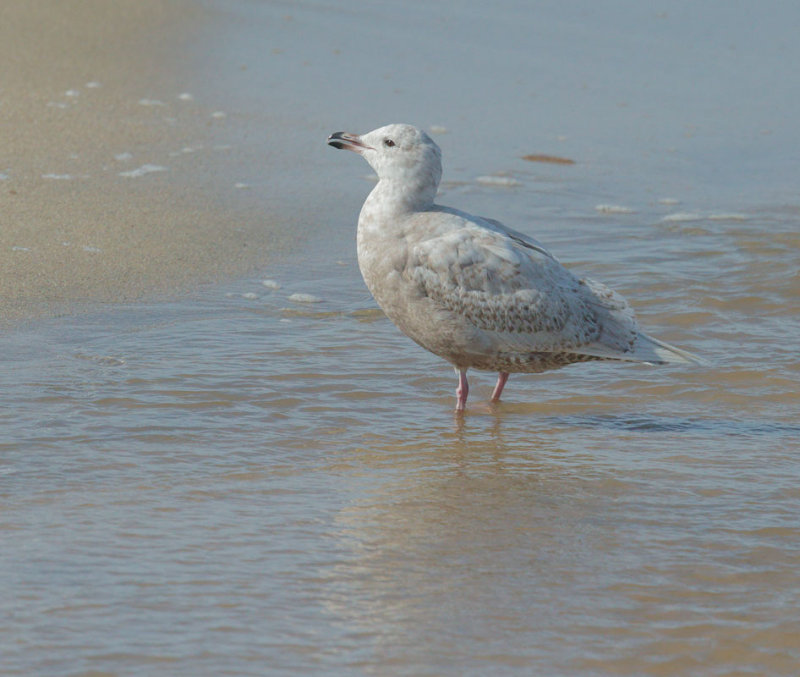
(250, 296)
(680, 217)
(242, 186)
(614, 209)
(219, 115)
(438, 129)
(669, 201)
(72, 93)
(504, 181)
(271, 284)
(92, 250)
(93, 84)
(186, 150)
(141, 171)
(57, 104)
(123, 157)
(151, 102)
(185, 96)
(305, 298)
(731, 216)
(57, 177)
(20, 249)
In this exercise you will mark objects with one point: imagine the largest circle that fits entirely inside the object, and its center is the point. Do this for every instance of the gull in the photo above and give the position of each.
(471, 290)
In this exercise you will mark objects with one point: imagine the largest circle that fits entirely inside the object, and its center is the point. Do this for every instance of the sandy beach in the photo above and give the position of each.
(113, 181)
(218, 456)
(149, 146)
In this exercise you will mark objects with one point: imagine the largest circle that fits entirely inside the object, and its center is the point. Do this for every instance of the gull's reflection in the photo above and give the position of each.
(460, 539)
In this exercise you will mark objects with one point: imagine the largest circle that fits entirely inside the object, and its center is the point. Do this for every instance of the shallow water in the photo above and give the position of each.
(254, 485)
(233, 482)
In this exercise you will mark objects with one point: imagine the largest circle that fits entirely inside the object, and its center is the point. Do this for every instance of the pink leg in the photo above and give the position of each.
(462, 391)
(502, 377)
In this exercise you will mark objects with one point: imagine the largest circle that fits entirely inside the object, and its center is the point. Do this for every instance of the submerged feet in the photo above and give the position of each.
(502, 377)
(462, 391)
(463, 388)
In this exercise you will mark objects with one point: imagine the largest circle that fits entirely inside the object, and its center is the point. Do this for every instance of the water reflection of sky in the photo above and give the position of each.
(653, 96)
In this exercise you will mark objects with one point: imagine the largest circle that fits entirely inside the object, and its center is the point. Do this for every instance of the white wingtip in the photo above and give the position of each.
(646, 349)
(650, 349)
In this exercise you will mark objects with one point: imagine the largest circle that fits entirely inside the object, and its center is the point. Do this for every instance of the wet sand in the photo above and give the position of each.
(112, 173)
(238, 481)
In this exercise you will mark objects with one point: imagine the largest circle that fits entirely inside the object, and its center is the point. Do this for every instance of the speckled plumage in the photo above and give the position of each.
(471, 290)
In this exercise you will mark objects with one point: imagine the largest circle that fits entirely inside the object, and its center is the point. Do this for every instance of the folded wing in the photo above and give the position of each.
(510, 287)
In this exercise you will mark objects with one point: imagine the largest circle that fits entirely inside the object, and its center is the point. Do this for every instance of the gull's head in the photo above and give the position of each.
(396, 152)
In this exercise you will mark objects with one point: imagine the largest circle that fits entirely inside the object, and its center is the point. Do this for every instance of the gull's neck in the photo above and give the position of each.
(396, 196)
(393, 197)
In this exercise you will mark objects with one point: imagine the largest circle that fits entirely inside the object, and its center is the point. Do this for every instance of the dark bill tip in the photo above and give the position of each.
(337, 140)
(343, 140)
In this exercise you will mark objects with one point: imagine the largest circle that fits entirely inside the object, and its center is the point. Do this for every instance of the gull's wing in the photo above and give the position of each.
(510, 287)
(520, 238)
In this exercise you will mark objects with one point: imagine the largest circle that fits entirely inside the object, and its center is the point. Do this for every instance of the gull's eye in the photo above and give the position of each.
(388, 143)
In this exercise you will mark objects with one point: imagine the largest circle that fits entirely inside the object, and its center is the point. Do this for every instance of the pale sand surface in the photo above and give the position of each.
(235, 482)
(90, 90)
